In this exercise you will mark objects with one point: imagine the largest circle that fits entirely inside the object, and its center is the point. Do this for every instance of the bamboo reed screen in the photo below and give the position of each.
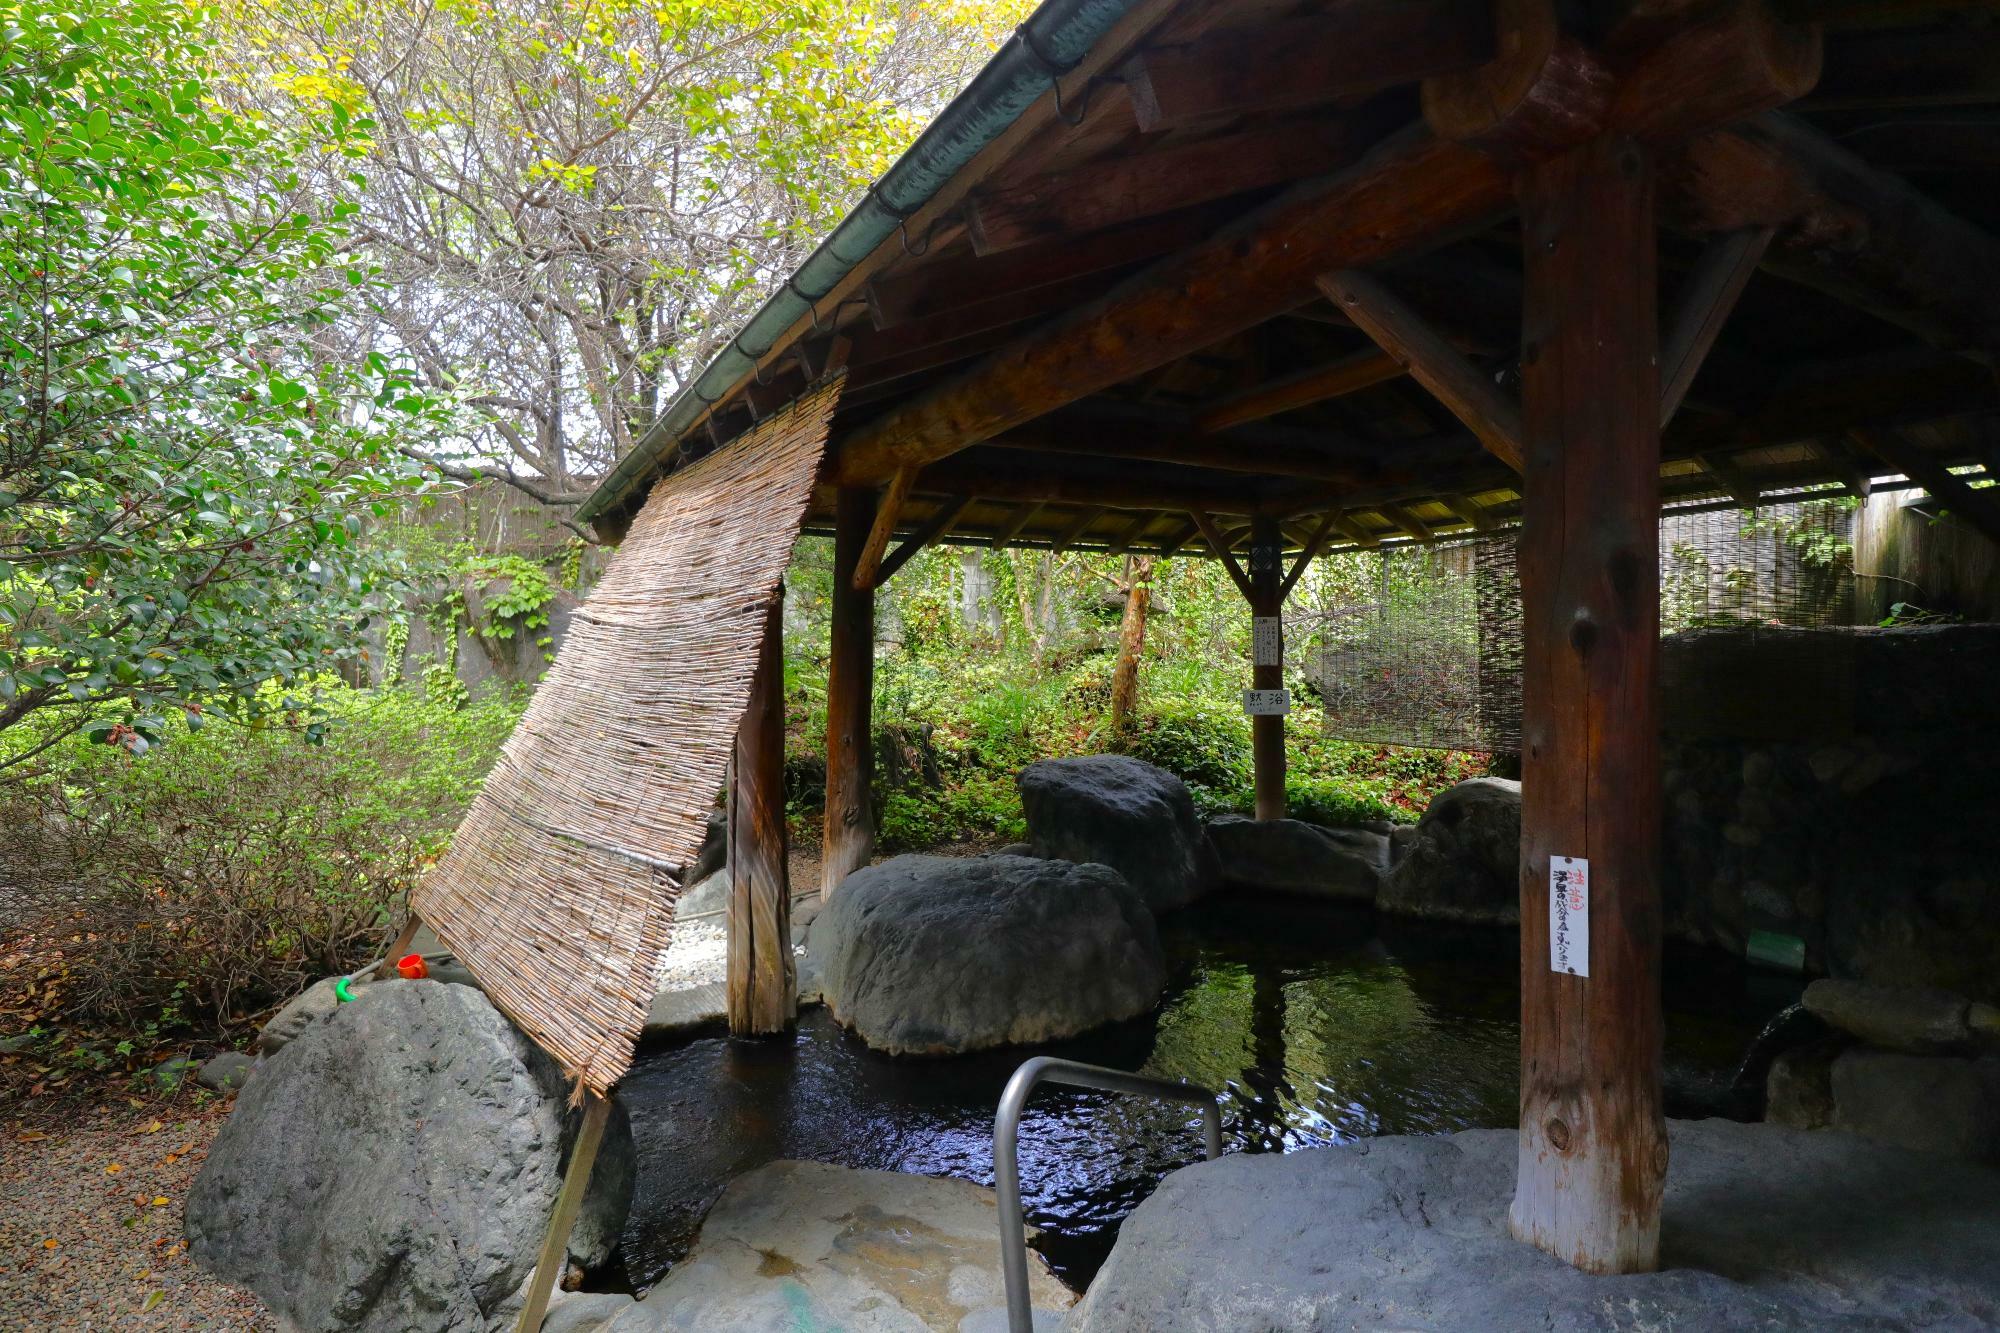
(559, 888)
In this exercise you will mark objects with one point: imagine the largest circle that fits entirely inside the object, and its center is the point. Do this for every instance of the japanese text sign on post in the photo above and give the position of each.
(1267, 640)
(1569, 915)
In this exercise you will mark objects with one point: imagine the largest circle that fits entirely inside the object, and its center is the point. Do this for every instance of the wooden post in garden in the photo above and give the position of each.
(1593, 1148)
(1267, 669)
(762, 980)
(850, 689)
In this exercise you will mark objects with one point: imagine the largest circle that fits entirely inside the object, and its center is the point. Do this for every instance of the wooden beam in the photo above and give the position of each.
(1731, 60)
(1143, 441)
(1131, 534)
(1474, 515)
(939, 286)
(1417, 529)
(1349, 49)
(998, 474)
(1266, 593)
(1841, 463)
(1352, 529)
(1593, 1148)
(1432, 361)
(1979, 508)
(554, 1256)
(1730, 477)
(868, 564)
(1709, 295)
(761, 986)
(1413, 189)
(1946, 66)
(1308, 551)
(1182, 535)
(939, 523)
(1542, 91)
(848, 831)
(1122, 189)
(1220, 545)
(1844, 228)
(1288, 393)
(1077, 528)
(1022, 518)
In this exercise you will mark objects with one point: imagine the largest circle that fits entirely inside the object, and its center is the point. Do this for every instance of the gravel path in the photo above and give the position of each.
(87, 1246)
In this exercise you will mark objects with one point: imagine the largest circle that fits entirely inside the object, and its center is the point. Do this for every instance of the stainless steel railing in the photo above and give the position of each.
(1006, 1156)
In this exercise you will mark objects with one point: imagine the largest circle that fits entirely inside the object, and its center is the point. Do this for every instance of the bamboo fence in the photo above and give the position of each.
(559, 888)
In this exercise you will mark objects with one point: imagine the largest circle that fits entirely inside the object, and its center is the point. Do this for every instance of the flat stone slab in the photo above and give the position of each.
(806, 1246)
(1763, 1228)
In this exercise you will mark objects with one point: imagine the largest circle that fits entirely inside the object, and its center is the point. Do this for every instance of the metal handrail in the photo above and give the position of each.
(1006, 1160)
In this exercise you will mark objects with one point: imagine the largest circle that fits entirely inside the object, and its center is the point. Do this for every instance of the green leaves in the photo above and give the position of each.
(179, 503)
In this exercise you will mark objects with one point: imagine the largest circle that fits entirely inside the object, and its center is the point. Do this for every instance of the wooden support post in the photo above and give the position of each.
(849, 839)
(1593, 1150)
(868, 564)
(1267, 672)
(762, 979)
(404, 938)
(569, 1202)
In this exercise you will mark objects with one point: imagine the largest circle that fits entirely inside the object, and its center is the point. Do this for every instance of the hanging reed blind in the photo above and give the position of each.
(559, 887)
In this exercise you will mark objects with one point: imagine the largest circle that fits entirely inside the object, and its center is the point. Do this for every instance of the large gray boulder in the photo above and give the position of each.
(1123, 813)
(1464, 861)
(1293, 857)
(394, 1166)
(1762, 1227)
(1897, 1018)
(932, 955)
(805, 1245)
(1934, 1104)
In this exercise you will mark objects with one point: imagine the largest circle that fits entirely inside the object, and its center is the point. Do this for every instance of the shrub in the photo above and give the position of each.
(1202, 743)
(216, 874)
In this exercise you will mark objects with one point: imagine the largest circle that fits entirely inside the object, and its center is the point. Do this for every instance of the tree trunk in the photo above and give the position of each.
(849, 830)
(1138, 583)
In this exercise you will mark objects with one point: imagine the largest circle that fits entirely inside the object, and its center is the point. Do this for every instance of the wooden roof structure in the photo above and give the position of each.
(1119, 313)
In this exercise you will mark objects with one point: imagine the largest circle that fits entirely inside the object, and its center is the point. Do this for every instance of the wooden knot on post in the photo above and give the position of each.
(1583, 631)
(1556, 1131)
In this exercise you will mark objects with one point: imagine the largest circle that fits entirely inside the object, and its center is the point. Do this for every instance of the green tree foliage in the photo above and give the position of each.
(183, 469)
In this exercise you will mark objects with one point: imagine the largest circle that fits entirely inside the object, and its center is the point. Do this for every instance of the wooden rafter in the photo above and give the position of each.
(939, 523)
(1288, 393)
(1433, 362)
(1710, 294)
(1979, 508)
(1351, 48)
(1408, 522)
(1050, 206)
(1410, 189)
(1307, 552)
(888, 512)
(940, 285)
(1123, 542)
(1014, 526)
(1474, 515)
(1077, 527)
(1220, 545)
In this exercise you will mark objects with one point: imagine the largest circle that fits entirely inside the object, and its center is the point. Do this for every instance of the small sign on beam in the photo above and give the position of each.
(1267, 703)
(1267, 640)
(1569, 915)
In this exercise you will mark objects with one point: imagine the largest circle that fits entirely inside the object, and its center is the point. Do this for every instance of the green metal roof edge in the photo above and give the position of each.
(1050, 43)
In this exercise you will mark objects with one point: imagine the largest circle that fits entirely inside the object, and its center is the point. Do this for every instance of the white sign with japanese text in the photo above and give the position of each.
(1267, 703)
(1267, 640)
(1569, 915)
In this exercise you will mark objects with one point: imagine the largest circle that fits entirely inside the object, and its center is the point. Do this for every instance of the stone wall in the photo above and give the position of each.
(1841, 786)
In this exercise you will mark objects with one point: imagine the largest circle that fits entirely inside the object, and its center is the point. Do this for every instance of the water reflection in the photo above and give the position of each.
(1315, 1024)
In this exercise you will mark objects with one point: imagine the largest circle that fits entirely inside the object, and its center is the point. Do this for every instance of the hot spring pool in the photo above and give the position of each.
(1316, 1024)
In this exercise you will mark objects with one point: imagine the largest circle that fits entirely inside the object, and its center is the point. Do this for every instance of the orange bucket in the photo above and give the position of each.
(412, 966)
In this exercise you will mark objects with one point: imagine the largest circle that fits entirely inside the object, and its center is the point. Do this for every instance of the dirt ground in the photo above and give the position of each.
(90, 1221)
